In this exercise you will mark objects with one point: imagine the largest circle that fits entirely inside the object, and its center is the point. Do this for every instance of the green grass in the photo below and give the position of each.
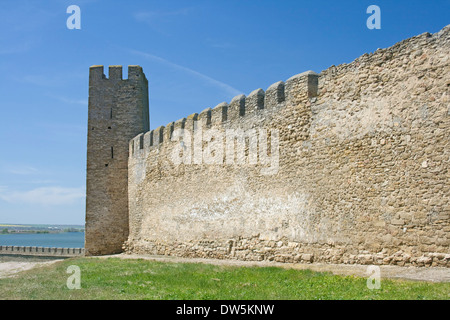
(115, 278)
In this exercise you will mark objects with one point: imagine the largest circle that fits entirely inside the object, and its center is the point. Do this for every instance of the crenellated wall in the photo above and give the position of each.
(242, 112)
(346, 166)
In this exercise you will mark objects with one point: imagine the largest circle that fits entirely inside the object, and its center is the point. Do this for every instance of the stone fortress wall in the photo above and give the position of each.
(347, 166)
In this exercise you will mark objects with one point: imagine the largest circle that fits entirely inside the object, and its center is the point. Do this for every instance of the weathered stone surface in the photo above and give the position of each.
(118, 111)
(361, 176)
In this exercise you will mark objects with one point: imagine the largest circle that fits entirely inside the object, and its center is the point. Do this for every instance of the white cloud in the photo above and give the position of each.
(48, 181)
(151, 16)
(48, 196)
(83, 102)
(23, 170)
(223, 45)
(223, 86)
(161, 21)
(215, 43)
(41, 80)
(15, 48)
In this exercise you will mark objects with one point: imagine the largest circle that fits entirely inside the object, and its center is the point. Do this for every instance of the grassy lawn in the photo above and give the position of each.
(115, 278)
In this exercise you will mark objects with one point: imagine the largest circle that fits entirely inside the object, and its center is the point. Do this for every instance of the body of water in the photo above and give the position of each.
(57, 240)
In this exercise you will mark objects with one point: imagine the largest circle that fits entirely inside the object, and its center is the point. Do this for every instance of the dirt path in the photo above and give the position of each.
(12, 265)
(434, 274)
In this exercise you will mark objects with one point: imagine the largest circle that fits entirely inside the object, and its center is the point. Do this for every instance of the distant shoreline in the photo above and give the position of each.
(38, 232)
(9, 229)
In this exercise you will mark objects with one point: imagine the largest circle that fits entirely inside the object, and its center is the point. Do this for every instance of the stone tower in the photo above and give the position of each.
(118, 111)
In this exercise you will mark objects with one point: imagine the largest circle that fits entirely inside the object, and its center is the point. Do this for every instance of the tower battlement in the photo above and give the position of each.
(96, 72)
(118, 111)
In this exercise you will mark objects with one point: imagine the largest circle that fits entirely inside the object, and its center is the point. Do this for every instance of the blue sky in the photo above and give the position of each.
(195, 54)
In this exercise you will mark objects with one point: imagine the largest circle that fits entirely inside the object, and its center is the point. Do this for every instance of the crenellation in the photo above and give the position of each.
(219, 114)
(300, 87)
(137, 144)
(179, 124)
(274, 95)
(240, 107)
(191, 122)
(141, 141)
(158, 135)
(148, 139)
(96, 73)
(136, 73)
(152, 137)
(169, 131)
(254, 101)
(115, 73)
(205, 118)
(236, 109)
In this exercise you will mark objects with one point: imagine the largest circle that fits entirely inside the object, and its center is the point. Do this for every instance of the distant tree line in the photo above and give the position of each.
(73, 230)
